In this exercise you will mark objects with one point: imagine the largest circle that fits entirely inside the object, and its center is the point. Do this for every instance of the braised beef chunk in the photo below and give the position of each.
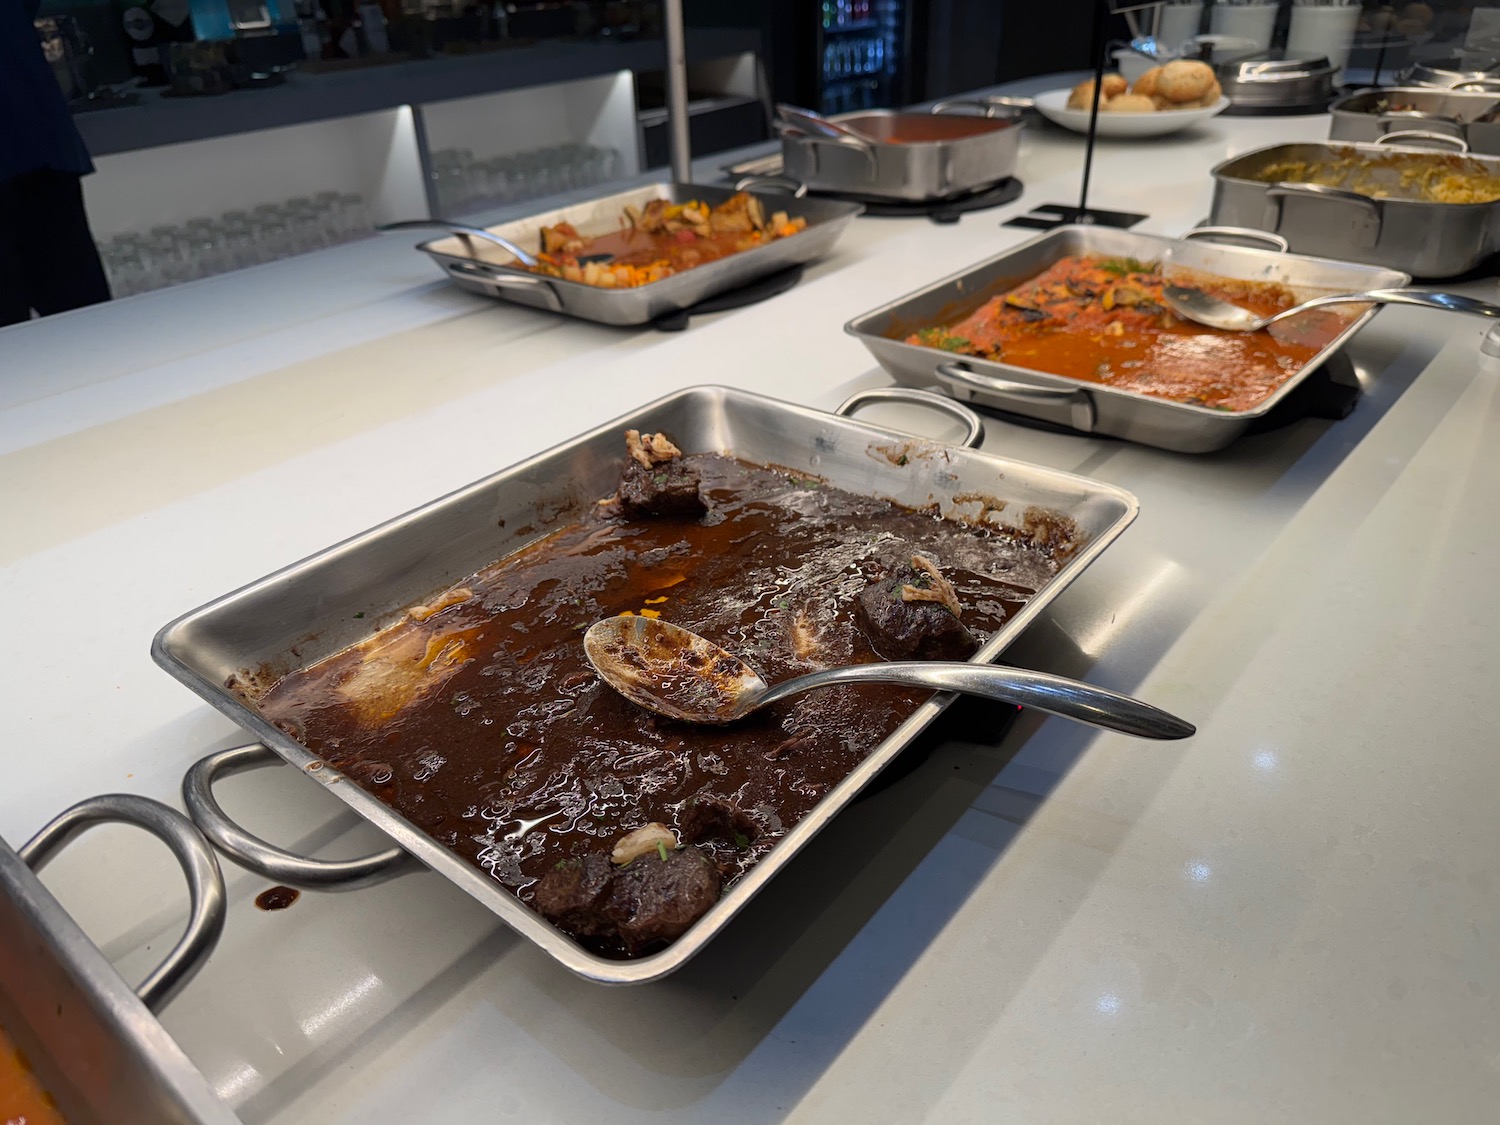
(912, 614)
(657, 481)
(573, 893)
(710, 817)
(648, 902)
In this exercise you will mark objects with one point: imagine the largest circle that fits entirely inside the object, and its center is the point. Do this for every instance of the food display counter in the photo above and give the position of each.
(1289, 916)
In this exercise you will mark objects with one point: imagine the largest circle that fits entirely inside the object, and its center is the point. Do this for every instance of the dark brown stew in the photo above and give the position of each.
(483, 724)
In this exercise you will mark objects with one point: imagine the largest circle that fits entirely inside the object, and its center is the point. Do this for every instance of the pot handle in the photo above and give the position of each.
(1432, 123)
(1004, 107)
(540, 286)
(795, 188)
(256, 855)
(1365, 232)
(1245, 234)
(205, 879)
(1457, 142)
(971, 421)
(1080, 404)
(1477, 84)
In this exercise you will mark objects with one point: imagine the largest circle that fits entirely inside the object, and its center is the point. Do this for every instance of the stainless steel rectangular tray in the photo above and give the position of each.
(342, 595)
(490, 271)
(1366, 115)
(93, 1044)
(1092, 408)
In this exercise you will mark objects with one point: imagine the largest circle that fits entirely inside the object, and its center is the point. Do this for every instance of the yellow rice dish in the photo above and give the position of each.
(1427, 179)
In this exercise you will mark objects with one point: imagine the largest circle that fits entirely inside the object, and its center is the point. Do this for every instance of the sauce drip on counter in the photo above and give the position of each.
(485, 726)
(277, 898)
(22, 1099)
(1103, 320)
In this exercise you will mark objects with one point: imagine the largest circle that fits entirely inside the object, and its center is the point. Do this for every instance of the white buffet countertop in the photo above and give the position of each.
(1290, 917)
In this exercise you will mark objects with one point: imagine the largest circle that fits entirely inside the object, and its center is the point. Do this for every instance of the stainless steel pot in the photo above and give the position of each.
(1450, 74)
(1368, 115)
(490, 271)
(961, 152)
(1420, 238)
(1091, 408)
(319, 606)
(93, 1042)
(1272, 83)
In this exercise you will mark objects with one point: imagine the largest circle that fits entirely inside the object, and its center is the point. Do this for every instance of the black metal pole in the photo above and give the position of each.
(1096, 48)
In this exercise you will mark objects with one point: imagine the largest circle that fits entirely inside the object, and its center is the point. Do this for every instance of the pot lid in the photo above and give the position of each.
(1273, 68)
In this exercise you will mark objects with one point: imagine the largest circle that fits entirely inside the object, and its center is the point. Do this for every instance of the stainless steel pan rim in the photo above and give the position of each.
(824, 443)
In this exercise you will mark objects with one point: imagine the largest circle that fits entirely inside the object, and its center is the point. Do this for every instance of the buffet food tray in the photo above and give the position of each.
(489, 270)
(1365, 115)
(1418, 237)
(1094, 408)
(343, 595)
(92, 1043)
(977, 151)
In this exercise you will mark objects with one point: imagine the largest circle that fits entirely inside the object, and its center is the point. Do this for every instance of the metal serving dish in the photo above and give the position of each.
(492, 272)
(1365, 115)
(1417, 237)
(1271, 83)
(959, 153)
(1091, 408)
(308, 611)
(1451, 73)
(93, 1042)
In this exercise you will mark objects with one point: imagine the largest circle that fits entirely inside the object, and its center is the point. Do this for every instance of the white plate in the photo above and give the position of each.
(1053, 105)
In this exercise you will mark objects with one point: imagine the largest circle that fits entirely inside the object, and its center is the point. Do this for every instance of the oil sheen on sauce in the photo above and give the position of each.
(485, 726)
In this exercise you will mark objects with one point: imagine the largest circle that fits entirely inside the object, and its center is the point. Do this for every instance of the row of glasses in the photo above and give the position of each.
(464, 182)
(171, 253)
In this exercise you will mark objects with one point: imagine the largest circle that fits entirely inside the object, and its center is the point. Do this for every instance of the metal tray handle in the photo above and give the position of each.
(518, 282)
(1401, 121)
(1243, 234)
(1458, 143)
(205, 879)
(1477, 84)
(1364, 234)
(972, 423)
(992, 107)
(1079, 402)
(786, 185)
(262, 858)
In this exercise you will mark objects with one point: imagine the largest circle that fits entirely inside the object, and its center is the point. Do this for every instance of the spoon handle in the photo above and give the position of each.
(1056, 695)
(1426, 298)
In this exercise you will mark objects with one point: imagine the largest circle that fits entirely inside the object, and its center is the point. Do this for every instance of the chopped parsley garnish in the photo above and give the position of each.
(942, 338)
(661, 850)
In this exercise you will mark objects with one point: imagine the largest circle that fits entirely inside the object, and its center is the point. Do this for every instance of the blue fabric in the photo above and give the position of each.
(36, 127)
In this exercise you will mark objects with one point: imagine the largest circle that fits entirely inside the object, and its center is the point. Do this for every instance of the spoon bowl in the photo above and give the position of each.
(1204, 308)
(677, 673)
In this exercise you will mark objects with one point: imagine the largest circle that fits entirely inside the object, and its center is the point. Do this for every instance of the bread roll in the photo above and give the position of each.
(1215, 92)
(1184, 80)
(1145, 85)
(1130, 103)
(1082, 96)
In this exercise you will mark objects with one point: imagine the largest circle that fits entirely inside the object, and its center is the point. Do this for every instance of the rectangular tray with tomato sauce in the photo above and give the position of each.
(1068, 329)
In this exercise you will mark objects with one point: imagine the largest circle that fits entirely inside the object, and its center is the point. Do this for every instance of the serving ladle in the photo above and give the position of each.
(1203, 308)
(675, 672)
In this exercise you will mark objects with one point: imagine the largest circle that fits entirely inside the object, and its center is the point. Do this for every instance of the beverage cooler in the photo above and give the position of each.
(862, 55)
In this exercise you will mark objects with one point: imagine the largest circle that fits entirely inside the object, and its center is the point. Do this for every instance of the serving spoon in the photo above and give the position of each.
(1196, 305)
(675, 672)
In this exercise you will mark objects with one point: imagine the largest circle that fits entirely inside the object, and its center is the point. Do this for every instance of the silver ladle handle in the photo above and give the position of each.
(1056, 695)
(1424, 298)
(463, 231)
